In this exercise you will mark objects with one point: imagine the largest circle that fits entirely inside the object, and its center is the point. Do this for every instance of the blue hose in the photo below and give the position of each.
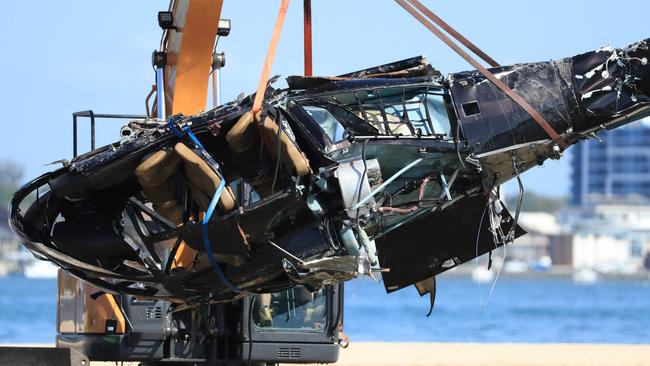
(206, 237)
(210, 211)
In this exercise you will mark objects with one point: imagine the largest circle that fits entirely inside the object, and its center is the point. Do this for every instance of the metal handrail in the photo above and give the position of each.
(92, 115)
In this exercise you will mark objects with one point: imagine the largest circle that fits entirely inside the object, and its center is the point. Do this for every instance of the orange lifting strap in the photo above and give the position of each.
(270, 55)
(412, 6)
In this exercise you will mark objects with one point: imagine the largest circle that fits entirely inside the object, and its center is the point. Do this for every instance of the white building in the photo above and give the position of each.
(542, 228)
(607, 237)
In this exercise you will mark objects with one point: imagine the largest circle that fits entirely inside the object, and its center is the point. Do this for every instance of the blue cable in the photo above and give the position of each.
(193, 137)
(173, 129)
(209, 212)
(206, 237)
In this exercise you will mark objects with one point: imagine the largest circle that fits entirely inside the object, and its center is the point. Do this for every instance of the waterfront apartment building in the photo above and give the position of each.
(609, 216)
(616, 169)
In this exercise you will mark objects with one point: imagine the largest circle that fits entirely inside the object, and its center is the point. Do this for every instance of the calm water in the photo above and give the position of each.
(28, 310)
(520, 310)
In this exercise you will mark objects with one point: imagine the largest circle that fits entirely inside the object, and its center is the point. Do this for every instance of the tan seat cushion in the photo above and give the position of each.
(154, 174)
(157, 168)
(203, 178)
(159, 194)
(200, 197)
(171, 210)
(395, 124)
(290, 156)
(242, 135)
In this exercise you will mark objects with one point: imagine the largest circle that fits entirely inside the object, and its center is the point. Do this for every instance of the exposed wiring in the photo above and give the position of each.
(363, 177)
(508, 238)
(494, 283)
(520, 200)
(388, 181)
(495, 219)
(505, 239)
(414, 208)
(286, 252)
(478, 236)
(478, 233)
(460, 159)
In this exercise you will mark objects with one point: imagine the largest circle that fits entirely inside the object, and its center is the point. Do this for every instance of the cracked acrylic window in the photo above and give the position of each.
(397, 111)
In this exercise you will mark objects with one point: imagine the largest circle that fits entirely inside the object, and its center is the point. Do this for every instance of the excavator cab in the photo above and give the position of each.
(289, 326)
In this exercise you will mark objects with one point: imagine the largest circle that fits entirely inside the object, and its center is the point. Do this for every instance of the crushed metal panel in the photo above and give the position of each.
(418, 63)
(491, 120)
(575, 94)
(324, 272)
(411, 67)
(438, 242)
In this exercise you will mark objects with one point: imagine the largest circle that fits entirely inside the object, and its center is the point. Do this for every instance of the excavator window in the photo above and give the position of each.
(293, 309)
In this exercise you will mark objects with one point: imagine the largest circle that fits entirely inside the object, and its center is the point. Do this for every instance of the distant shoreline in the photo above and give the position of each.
(465, 271)
(555, 272)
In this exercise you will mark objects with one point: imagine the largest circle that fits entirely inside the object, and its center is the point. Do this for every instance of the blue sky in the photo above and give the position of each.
(62, 56)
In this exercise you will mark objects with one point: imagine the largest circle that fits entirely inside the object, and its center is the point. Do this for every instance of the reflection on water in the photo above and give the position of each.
(520, 310)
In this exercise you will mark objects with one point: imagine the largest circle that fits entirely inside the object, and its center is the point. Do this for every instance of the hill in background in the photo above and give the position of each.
(534, 202)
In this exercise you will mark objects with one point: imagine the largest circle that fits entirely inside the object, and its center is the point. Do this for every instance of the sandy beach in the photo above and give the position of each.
(479, 354)
(474, 354)
(468, 354)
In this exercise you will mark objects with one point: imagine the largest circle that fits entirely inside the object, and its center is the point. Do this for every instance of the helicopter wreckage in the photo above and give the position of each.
(392, 169)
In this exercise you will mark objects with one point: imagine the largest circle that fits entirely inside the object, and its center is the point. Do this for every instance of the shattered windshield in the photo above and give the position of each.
(330, 125)
(398, 111)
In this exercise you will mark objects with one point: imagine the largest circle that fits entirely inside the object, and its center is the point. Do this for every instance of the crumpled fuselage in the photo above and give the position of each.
(392, 169)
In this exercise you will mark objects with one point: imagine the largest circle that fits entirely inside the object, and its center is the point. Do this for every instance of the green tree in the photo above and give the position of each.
(10, 176)
(534, 202)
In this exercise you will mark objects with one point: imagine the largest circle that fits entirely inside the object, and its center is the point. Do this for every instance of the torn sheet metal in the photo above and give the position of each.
(575, 95)
(466, 222)
(408, 68)
(328, 271)
(428, 286)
